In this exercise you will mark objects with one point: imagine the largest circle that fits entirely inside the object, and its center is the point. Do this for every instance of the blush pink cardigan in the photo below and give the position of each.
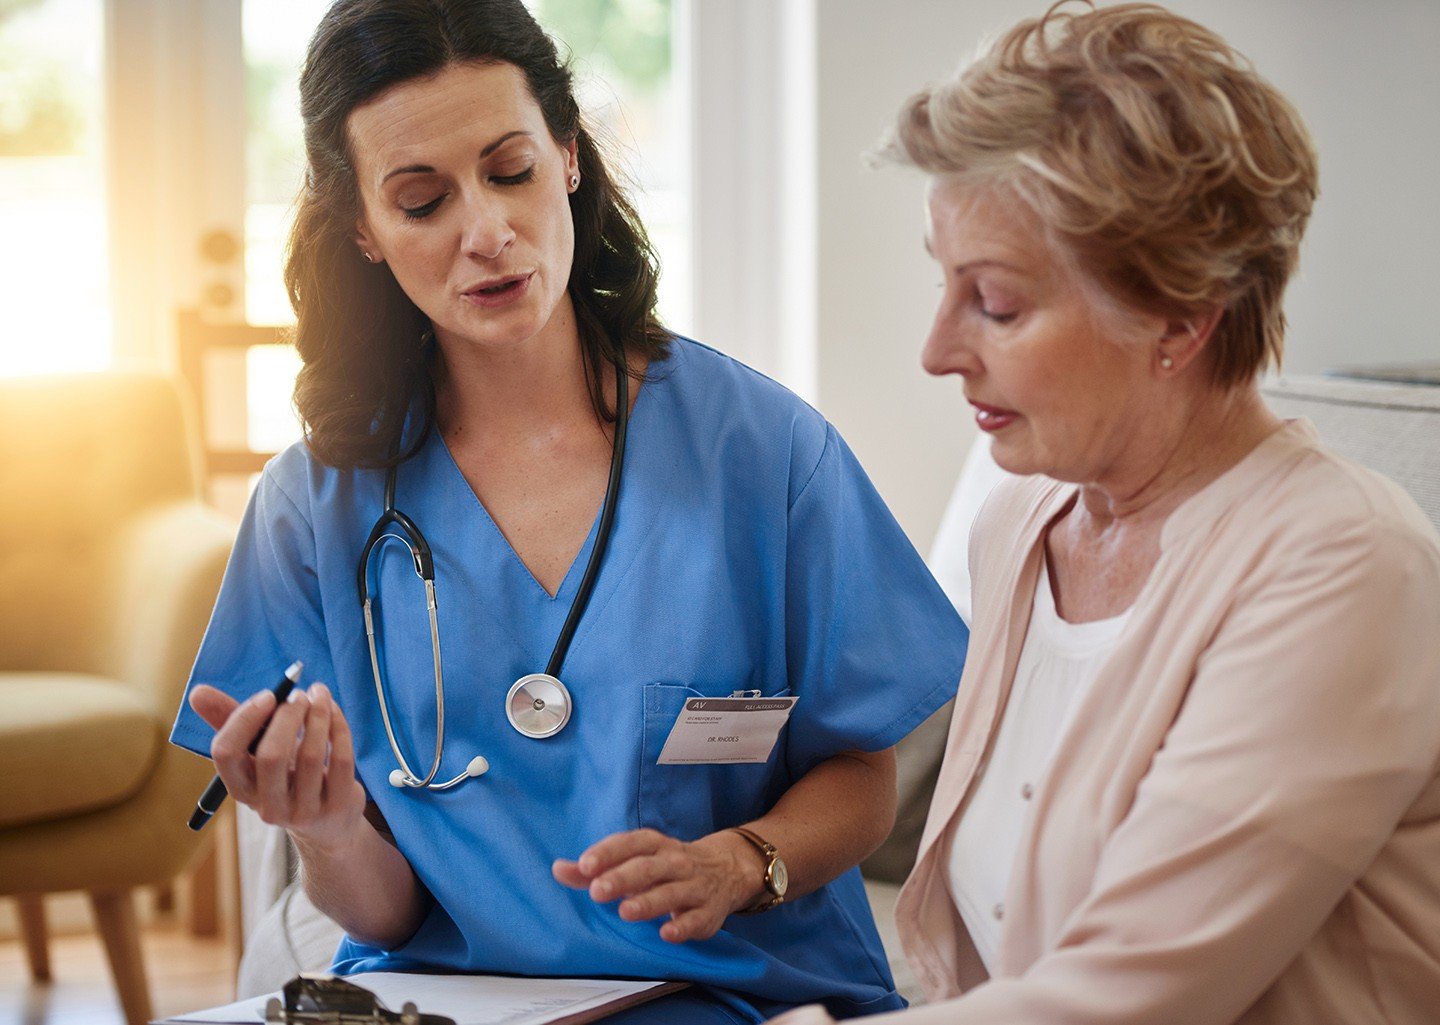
(1242, 824)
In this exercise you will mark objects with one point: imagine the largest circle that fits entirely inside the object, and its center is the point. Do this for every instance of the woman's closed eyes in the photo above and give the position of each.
(423, 210)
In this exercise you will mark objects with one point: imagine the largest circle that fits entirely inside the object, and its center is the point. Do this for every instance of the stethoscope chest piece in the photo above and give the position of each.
(538, 706)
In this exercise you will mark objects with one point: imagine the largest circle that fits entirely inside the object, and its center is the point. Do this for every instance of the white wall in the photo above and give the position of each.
(1364, 76)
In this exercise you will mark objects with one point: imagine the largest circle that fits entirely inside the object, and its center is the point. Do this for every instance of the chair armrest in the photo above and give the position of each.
(168, 563)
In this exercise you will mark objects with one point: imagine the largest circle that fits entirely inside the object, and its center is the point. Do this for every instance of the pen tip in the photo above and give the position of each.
(293, 673)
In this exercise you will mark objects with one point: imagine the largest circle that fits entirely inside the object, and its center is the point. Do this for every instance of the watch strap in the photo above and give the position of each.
(771, 855)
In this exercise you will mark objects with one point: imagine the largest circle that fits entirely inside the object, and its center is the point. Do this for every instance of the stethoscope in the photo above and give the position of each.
(537, 705)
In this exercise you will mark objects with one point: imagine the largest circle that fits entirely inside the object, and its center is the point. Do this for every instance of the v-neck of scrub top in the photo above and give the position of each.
(473, 545)
(585, 546)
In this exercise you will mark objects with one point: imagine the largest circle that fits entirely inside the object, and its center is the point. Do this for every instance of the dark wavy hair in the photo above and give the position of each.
(361, 339)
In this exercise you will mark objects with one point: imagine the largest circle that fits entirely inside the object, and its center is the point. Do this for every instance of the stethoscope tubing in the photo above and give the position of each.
(409, 778)
(602, 535)
(410, 535)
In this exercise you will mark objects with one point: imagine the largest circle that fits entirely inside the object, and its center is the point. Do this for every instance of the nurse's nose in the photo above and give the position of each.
(487, 231)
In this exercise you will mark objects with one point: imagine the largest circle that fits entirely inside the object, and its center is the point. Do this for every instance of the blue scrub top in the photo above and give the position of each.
(749, 552)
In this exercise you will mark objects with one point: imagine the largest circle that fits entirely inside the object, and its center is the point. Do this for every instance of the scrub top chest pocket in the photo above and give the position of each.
(726, 731)
(709, 761)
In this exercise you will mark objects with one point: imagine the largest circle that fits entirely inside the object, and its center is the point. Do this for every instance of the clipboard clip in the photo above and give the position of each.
(321, 999)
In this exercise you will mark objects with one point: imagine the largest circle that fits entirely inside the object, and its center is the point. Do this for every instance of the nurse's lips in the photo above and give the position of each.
(497, 292)
(992, 418)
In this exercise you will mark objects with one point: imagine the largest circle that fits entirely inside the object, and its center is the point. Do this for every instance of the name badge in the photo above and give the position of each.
(717, 731)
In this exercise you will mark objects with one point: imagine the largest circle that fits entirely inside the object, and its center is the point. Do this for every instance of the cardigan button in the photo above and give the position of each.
(1027, 791)
(998, 911)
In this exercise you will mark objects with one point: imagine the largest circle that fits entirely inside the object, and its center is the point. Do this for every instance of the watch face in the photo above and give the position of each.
(779, 880)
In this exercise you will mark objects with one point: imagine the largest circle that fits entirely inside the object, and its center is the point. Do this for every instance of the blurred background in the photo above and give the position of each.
(150, 152)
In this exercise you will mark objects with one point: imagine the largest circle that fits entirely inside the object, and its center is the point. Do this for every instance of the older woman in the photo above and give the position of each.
(1192, 771)
(613, 526)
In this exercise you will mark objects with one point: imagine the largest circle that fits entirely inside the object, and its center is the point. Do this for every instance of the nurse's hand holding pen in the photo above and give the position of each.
(302, 777)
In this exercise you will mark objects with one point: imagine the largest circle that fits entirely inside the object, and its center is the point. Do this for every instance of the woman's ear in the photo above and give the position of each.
(572, 164)
(1184, 340)
(369, 252)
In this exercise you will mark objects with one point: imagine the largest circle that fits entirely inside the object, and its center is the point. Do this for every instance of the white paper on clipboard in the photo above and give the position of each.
(471, 999)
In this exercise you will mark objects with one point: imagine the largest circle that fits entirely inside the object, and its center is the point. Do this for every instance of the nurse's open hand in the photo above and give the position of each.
(697, 884)
(302, 774)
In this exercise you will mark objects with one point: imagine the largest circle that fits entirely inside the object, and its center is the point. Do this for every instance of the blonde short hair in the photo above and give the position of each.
(1176, 177)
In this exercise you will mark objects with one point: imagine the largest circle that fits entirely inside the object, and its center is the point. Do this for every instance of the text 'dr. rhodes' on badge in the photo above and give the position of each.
(716, 731)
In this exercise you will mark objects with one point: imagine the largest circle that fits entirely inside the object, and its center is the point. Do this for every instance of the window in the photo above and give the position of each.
(52, 188)
(623, 56)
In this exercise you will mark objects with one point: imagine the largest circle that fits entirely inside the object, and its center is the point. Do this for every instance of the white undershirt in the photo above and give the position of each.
(1057, 664)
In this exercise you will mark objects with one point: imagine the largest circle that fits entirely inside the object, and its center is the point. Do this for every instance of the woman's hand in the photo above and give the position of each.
(302, 774)
(697, 884)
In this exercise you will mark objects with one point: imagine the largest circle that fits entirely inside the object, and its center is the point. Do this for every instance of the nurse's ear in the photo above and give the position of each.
(572, 165)
(369, 251)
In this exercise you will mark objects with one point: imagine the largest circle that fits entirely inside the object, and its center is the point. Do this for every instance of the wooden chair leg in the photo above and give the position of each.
(165, 898)
(204, 907)
(36, 936)
(115, 917)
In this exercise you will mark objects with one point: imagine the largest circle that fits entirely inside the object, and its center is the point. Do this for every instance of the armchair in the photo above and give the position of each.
(109, 565)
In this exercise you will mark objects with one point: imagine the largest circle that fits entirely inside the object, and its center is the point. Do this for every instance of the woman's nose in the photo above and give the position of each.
(946, 349)
(487, 230)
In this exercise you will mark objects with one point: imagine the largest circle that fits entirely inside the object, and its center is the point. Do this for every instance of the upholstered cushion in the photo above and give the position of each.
(1391, 428)
(72, 743)
(108, 566)
(290, 938)
(917, 759)
(79, 456)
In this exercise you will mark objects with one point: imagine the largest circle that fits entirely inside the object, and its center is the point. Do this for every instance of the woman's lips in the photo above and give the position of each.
(993, 418)
(501, 292)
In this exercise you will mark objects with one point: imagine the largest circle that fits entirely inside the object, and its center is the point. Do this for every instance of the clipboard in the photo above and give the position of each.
(623, 1004)
(323, 999)
(331, 1000)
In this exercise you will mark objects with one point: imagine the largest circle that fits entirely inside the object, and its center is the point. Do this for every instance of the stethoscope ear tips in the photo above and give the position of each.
(478, 766)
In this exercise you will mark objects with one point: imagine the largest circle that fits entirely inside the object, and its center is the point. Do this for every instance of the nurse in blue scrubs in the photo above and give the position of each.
(476, 319)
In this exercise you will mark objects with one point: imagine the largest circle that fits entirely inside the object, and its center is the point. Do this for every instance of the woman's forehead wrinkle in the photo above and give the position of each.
(982, 233)
(407, 126)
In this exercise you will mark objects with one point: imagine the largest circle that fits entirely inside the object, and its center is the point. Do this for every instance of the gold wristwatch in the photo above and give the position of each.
(777, 876)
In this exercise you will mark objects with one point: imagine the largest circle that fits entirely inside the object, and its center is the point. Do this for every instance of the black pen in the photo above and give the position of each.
(209, 802)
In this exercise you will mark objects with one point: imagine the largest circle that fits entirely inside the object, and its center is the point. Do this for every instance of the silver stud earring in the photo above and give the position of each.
(369, 257)
(574, 182)
(1166, 363)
